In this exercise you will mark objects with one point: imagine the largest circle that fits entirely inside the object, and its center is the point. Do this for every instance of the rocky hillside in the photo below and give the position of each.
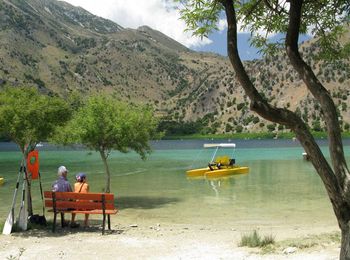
(60, 48)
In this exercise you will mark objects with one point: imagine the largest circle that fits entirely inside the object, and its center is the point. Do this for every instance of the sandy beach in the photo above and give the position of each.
(147, 239)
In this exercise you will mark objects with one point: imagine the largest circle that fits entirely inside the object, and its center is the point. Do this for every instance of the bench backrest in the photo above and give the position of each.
(79, 201)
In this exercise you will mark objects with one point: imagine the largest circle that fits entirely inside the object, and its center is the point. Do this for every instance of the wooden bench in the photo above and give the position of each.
(80, 203)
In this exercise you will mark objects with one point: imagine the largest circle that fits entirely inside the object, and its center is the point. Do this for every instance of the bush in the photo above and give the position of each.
(316, 126)
(240, 106)
(271, 127)
(255, 240)
(228, 128)
(239, 129)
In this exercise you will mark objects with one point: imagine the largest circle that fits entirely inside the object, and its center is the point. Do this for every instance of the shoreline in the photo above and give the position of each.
(242, 136)
(148, 239)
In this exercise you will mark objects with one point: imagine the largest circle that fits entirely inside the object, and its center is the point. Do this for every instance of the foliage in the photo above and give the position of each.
(171, 127)
(255, 240)
(174, 128)
(103, 124)
(28, 117)
(310, 241)
(271, 127)
(324, 19)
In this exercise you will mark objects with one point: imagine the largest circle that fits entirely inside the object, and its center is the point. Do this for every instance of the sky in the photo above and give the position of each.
(162, 16)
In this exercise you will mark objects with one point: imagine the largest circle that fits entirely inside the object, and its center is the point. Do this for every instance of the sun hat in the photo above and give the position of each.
(80, 176)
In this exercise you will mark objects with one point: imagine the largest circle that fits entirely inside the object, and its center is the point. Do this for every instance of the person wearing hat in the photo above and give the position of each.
(81, 186)
(62, 185)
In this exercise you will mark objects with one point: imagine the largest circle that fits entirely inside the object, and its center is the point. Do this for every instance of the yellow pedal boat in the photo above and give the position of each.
(2, 180)
(206, 172)
(219, 166)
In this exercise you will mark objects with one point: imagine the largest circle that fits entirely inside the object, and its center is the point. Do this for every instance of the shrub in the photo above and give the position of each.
(271, 127)
(240, 106)
(251, 240)
(228, 128)
(239, 129)
(256, 120)
(255, 240)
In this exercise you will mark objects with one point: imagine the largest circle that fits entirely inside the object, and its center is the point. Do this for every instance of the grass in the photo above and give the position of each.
(255, 240)
(312, 241)
(268, 245)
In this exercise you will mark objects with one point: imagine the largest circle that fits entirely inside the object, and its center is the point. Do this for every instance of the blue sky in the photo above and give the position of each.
(246, 51)
(219, 45)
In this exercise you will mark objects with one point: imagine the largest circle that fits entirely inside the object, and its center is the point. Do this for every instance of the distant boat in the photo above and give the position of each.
(220, 165)
(2, 180)
(39, 145)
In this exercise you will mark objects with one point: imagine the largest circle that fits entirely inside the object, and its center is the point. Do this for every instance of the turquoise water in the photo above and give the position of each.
(281, 187)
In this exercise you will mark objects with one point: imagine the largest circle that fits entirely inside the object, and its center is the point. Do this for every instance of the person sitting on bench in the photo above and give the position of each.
(62, 185)
(81, 186)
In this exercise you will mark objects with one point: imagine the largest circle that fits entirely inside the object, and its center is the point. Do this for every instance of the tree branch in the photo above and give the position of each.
(249, 13)
(277, 115)
(320, 93)
(274, 9)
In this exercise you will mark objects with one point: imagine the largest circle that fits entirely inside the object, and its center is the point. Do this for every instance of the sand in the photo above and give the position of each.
(147, 239)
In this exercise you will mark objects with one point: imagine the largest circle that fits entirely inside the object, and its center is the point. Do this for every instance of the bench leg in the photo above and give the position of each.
(103, 223)
(54, 222)
(109, 221)
(62, 219)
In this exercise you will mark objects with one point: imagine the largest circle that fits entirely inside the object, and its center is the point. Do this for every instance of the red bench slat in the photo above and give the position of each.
(76, 195)
(80, 203)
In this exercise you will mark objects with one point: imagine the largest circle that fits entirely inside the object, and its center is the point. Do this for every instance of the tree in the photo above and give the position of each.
(103, 124)
(28, 117)
(326, 20)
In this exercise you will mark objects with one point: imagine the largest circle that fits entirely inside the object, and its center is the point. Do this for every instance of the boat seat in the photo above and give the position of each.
(223, 160)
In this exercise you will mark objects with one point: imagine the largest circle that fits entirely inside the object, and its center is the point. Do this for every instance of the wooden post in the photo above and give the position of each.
(54, 211)
(104, 213)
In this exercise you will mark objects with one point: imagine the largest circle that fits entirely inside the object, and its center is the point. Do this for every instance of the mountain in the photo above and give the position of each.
(61, 48)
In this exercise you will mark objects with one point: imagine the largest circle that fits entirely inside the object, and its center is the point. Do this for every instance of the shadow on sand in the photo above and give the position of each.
(46, 231)
(130, 202)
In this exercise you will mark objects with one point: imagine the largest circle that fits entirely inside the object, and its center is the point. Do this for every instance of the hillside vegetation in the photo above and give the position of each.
(61, 49)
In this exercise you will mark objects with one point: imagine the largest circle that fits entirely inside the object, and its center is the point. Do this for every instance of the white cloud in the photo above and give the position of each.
(222, 25)
(157, 14)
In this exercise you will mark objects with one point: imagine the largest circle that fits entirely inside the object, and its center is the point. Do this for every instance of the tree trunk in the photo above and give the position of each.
(339, 188)
(336, 180)
(108, 175)
(345, 244)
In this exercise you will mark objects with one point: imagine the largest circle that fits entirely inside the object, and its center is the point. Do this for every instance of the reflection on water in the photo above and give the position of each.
(280, 188)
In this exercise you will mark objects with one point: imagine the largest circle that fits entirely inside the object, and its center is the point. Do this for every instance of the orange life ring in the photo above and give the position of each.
(33, 164)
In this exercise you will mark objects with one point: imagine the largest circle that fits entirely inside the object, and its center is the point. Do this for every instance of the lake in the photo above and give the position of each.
(281, 187)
